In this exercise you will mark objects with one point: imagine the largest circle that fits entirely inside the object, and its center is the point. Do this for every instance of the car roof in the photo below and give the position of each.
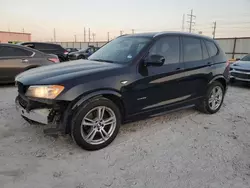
(20, 46)
(157, 34)
(39, 43)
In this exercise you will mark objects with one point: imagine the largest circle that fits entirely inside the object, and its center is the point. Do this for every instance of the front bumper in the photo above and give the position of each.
(39, 115)
(240, 75)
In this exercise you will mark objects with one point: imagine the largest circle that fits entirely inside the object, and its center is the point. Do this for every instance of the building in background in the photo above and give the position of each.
(13, 37)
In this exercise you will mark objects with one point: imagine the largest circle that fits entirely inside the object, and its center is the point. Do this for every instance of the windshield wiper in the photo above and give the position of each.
(102, 60)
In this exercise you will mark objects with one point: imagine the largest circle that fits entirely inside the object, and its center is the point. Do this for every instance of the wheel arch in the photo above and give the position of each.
(112, 95)
(220, 79)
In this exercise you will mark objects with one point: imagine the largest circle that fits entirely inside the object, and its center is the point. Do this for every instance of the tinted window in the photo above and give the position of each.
(212, 49)
(45, 46)
(204, 51)
(120, 50)
(246, 58)
(12, 52)
(192, 49)
(167, 47)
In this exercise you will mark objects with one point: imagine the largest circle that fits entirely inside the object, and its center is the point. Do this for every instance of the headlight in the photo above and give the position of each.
(46, 91)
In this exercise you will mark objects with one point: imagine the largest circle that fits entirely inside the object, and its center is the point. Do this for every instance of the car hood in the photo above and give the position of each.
(60, 73)
(241, 65)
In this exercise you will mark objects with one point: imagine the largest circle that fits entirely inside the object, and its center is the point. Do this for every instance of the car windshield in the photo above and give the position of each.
(246, 58)
(121, 50)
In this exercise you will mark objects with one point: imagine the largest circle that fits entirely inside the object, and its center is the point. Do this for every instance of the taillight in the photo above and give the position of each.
(54, 60)
(66, 52)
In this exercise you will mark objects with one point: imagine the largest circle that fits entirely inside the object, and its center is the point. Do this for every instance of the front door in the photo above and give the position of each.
(156, 87)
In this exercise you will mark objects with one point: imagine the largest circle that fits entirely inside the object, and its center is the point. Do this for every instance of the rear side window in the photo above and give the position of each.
(42, 46)
(192, 49)
(13, 52)
(212, 49)
(204, 50)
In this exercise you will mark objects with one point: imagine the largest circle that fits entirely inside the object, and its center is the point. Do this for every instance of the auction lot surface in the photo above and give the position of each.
(182, 149)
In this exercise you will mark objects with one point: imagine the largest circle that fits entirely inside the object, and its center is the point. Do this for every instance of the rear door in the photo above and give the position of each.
(197, 66)
(13, 60)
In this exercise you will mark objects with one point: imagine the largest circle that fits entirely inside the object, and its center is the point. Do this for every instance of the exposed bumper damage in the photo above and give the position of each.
(48, 112)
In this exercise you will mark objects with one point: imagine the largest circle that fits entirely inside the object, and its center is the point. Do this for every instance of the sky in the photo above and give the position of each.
(69, 17)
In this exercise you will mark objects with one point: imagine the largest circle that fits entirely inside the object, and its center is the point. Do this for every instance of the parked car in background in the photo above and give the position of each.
(71, 49)
(83, 53)
(15, 59)
(49, 48)
(132, 77)
(240, 70)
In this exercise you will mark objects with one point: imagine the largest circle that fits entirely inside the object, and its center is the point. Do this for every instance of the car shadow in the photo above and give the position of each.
(240, 84)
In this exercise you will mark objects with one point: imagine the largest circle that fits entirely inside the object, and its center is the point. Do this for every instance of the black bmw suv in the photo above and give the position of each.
(132, 77)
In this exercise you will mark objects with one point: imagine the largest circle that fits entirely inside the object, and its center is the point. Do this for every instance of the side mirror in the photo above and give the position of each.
(154, 60)
(237, 59)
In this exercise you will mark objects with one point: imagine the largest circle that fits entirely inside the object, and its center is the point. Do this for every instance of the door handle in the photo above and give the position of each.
(209, 64)
(179, 68)
(25, 60)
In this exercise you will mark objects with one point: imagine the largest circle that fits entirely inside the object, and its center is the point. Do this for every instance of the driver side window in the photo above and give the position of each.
(168, 47)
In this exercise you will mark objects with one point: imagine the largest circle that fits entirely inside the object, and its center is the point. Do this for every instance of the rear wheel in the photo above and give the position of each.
(213, 99)
(96, 124)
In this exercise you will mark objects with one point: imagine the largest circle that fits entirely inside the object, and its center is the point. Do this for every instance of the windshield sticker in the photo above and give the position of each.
(129, 56)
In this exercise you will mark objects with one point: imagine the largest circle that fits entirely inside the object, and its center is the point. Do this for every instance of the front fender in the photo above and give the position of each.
(86, 97)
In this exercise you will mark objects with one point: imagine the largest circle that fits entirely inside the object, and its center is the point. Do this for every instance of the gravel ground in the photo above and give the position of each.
(185, 149)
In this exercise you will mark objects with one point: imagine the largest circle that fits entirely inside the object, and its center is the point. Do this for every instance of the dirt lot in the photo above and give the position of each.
(183, 149)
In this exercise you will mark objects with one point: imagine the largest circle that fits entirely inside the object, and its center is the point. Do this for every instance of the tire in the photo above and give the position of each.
(81, 57)
(80, 134)
(204, 105)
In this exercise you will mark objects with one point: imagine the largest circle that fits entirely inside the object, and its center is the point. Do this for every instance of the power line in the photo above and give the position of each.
(214, 29)
(89, 35)
(183, 23)
(191, 22)
(84, 35)
(54, 35)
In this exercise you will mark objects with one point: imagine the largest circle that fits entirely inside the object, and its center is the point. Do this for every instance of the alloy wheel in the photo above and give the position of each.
(215, 98)
(98, 125)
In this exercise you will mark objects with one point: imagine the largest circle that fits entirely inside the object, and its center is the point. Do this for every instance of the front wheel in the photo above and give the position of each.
(96, 124)
(213, 100)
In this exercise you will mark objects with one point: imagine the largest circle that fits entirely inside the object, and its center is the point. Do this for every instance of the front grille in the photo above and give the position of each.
(243, 70)
(21, 88)
(240, 75)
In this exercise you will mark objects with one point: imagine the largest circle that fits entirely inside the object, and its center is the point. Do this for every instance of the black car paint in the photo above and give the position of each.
(54, 49)
(147, 89)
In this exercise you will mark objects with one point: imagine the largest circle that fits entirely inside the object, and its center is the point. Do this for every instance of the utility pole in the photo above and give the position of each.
(133, 31)
(84, 35)
(214, 29)
(191, 22)
(121, 32)
(183, 23)
(93, 35)
(89, 35)
(75, 38)
(108, 36)
(54, 35)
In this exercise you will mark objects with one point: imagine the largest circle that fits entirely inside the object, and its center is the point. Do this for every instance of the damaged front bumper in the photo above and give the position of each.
(39, 115)
(42, 111)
